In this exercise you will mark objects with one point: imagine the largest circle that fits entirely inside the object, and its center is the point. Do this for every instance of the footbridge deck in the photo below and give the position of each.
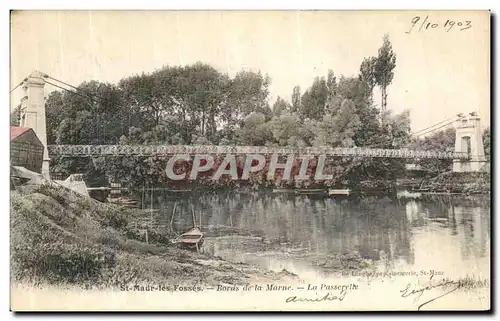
(150, 150)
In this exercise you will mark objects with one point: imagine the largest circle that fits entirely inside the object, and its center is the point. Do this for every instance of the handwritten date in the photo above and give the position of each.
(419, 25)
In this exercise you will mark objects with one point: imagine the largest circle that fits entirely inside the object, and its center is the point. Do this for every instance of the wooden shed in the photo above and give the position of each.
(26, 149)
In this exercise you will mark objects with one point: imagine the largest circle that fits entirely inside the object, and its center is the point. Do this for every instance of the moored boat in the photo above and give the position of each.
(126, 202)
(192, 239)
(335, 192)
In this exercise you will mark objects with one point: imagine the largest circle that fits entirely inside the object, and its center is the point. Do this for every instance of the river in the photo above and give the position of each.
(300, 233)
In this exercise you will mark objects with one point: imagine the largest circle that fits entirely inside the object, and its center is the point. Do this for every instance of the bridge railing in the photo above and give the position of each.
(150, 150)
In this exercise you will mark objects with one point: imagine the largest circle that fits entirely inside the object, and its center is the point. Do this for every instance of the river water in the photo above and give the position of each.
(299, 233)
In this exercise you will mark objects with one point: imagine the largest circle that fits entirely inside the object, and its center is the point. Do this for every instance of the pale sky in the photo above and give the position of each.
(438, 73)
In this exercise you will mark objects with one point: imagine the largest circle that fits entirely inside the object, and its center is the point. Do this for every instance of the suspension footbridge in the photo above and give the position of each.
(468, 154)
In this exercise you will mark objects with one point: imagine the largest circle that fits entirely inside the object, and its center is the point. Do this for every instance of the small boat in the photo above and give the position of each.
(345, 192)
(192, 239)
(283, 190)
(408, 194)
(310, 191)
(126, 202)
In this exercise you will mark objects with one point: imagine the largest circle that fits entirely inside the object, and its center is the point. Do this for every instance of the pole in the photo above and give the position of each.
(151, 209)
(172, 218)
(194, 218)
(142, 201)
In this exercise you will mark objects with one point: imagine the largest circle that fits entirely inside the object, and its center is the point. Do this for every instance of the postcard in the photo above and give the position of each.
(250, 161)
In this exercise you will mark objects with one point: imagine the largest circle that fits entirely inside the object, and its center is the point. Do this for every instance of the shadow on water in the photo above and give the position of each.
(262, 228)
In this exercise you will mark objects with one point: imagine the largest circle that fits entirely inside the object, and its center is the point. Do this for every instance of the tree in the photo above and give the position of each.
(172, 87)
(354, 90)
(442, 141)
(338, 129)
(15, 116)
(204, 92)
(331, 82)
(367, 74)
(247, 93)
(296, 99)
(89, 117)
(254, 131)
(393, 134)
(314, 100)
(141, 93)
(184, 100)
(384, 69)
(288, 130)
(332, 99)
(487, 143)
(54, 114)
(279, 106)
(395, 131)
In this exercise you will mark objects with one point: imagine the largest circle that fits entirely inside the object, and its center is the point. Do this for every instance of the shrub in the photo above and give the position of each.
(61, 262)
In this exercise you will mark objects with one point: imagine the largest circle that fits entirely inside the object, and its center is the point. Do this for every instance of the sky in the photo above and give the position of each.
(439, 71)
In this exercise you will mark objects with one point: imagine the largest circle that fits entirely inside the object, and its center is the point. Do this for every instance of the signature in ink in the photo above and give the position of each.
(327, 297)
(418, 292)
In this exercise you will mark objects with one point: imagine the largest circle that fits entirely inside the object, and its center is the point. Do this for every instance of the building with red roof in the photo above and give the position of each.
(26, 149)
(17, 131)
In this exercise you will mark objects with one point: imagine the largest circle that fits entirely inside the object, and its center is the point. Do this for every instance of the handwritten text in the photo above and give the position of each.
(420, 25)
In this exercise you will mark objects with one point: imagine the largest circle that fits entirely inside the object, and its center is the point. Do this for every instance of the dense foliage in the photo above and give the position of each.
(487, 143)
(197, 104)
(443, 140)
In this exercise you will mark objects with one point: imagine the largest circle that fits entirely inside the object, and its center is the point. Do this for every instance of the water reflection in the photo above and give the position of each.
(293, 232)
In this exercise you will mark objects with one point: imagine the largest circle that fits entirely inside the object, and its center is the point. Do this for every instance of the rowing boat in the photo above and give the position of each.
(192, 239)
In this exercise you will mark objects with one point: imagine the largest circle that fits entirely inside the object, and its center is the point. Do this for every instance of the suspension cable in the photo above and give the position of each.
(422, 130)
(79, 89)
(71, 91)
(433, 130)
(18, 85)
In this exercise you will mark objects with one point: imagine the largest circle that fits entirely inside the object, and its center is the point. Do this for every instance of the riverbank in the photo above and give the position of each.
(60, 238)
(462, 183)
(447, 183)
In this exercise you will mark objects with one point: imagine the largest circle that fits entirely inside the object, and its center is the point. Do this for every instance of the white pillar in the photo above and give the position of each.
(24, 104)
(469, 126)
(34, 113)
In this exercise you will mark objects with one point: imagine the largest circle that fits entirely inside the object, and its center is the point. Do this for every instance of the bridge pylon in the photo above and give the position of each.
(33, 113)
(469, 139)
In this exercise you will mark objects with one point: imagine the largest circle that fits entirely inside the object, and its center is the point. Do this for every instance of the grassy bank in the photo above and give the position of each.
(63, 238)
(465, 183)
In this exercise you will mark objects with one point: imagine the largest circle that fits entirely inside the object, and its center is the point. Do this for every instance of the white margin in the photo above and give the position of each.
(190, 5)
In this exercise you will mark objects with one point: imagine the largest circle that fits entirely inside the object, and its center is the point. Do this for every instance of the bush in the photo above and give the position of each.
(59, 237)
(61, 262)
